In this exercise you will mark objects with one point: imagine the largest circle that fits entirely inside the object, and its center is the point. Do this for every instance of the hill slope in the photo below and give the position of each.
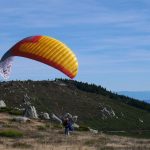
(95, 106)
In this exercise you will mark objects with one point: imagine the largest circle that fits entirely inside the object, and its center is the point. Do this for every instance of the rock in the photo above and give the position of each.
(26, 97)
(93, 131)
(140, 120)
(60, 83)
(45, 116)
(75, 118)
(75, 125)
(67, 115)
(122, 114)
(21, 119)
(30, 112)
(56, 118)
(2, 104)
(107, 112)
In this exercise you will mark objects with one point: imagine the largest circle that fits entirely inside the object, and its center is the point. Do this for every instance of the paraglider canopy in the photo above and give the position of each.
(43, 49)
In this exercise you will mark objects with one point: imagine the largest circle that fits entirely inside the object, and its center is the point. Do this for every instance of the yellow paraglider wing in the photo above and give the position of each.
(47, 50)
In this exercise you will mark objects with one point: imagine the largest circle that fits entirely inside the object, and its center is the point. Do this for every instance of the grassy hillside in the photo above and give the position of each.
(95, 106)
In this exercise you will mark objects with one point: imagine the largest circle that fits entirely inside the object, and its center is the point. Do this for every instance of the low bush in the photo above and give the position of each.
(16, 112)
(5, 109)
(12, 111)
(11, 133)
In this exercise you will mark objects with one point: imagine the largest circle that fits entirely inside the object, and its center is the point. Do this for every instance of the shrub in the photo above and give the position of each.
(12, 111)
(16, 112)
(6, 109)
(11, 133)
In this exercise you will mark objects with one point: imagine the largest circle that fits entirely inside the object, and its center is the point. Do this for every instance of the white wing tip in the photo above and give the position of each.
(5, 67)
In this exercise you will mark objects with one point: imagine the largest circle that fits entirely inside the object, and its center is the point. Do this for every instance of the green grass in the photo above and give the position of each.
(11, 133)
(12, 111)
(16, 112)
(82, 128)
(6, 109)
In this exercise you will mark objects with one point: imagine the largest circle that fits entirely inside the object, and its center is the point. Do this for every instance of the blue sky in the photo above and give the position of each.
(110, 38)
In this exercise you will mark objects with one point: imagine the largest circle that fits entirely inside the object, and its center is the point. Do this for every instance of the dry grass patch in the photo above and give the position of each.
(21, 145)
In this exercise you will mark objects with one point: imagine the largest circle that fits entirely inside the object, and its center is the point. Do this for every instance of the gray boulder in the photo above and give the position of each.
(93, 131)
(2, 104)
(75, 125)
(30, 112)
(44, 115)
(21, 119)
(54, 117)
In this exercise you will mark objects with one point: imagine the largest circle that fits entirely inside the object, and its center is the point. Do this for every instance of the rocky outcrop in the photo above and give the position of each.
(56, 118)
(30, 112)
(75, 125)
(21, 119)
(106, 112)
(140, 120)
(2, 104)
(45, 116)
(92, 130)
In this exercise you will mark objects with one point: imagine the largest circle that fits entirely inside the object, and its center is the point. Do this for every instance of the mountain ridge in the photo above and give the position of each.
(141, 95)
